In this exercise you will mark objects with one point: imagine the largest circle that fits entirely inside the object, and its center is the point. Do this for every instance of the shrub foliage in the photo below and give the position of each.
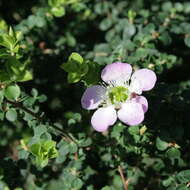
(50, 52)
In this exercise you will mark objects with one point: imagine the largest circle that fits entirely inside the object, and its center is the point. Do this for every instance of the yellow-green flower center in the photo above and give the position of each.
(118, 94)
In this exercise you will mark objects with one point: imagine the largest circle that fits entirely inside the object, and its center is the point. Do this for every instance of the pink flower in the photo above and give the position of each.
(119, 97)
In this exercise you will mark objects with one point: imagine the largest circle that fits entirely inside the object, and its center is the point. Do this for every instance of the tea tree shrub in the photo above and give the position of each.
(94, 95)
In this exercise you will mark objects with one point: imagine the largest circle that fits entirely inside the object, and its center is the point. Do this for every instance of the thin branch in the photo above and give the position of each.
(66, 136)
(125, 182)
(19, 105)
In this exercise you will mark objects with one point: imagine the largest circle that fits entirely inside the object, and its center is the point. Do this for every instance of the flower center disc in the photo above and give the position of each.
(118, 94)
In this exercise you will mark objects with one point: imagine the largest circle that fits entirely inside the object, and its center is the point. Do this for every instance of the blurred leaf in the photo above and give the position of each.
(184, 176)
(1, 96)
(42, 98)
(25, 76)
(92, 75)
(134, 130)
(12, 92)
(167, 6)
(73, 64)
(73, 77)
(39, 130)
(106, 188)
(43, 151)
(58, 11)
(105, 24)
(161, 145)
(173, 153)
(129, 31)
(11, 115)
(187, 41)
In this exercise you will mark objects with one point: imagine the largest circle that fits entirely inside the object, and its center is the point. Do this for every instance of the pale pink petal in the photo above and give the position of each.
(143, 101)
(92, 97)
(117, 72)
(135, 87)
(103, 118)
(131, 113)
(146, 77)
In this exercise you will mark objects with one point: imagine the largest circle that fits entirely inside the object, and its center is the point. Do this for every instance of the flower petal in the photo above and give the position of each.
(135, 86)
(103, 118)
(146, 77)
(131, 113)
(92, 97)
(117, 72)
(143, 101)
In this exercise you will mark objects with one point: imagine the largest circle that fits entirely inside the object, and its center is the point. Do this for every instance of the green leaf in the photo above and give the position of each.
(1, 96)
(105, 24)
(53, 3)
(165, 38)
(134, 130)
(63, 151)
(2, 115)
(83, 69)
(58, 11)
(182, 187)
(74, 77)
(11, 33)
(179, 6)
(23, 154)
(131, 14)
(70, 66)
(40, 21)
(34, 92)
(177, 29)
(18, 188)
(43, 151)
(4, 53)
(11, 115)
(42, 98)
(92, 76)
(167, 181)
(25, 76)
(161, 145)
(173, 153)
(73, 148)
(12, 92)
(116, 131)
(7, 41)
(63, 148)
(31, 21)
(75, 57)
(35, 149)
(71, 41)
(14, 66)
(187, 41)
(39, 130)
(18, 35)
(167, 6)
(17, 70)
(129, 31)
(41, 162)
(74, 64)
(187, 7)
(106, 188)
(184, 176)
(186, 27)
(3, 25)
(85, 142)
